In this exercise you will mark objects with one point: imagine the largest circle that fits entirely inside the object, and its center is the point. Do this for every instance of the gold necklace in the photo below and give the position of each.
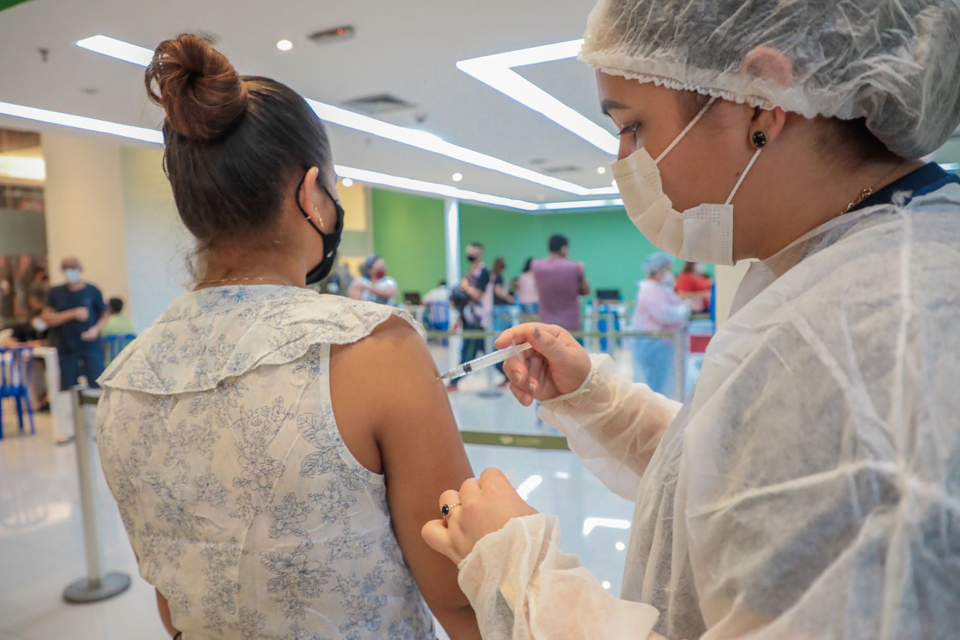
(869, 191)
(224, 281)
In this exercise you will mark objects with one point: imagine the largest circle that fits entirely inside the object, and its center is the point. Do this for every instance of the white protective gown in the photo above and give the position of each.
(811, 487)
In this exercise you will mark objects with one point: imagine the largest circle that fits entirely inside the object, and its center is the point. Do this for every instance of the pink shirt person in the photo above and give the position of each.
(560, 283)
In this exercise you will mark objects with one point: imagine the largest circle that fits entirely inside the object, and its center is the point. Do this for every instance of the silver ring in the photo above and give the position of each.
(445, 511)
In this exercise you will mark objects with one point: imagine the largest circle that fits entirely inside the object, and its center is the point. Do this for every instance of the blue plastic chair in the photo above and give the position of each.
(113, 345)
(607, 313)
(16, 367)
(438, 318)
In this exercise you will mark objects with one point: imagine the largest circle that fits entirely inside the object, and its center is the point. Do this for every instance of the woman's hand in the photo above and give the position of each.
(556, 365)
(486, 505)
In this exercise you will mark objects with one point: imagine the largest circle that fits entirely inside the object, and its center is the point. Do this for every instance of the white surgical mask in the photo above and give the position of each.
(668, 280)
(72, 275)
(701, 234)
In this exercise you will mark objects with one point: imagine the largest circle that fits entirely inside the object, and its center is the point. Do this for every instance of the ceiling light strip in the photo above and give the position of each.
(580, 204)
(362, 175)
(496, 71)
(409, 184)
(156, 137)
(335, 115)
(117, 49)
(81, 122)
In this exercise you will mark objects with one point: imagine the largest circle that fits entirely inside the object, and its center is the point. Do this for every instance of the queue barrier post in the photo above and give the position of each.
(96, 585)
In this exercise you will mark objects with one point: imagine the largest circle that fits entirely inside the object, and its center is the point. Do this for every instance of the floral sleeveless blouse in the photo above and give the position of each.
(245, 508)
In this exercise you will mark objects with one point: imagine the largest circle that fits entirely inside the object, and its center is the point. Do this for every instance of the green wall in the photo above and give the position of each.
(6, 4)
(408, 233)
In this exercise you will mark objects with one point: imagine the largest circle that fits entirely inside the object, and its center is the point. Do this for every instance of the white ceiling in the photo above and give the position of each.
(408, 49)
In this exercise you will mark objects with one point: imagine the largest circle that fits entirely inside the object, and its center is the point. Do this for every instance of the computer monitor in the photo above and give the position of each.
(608, 294)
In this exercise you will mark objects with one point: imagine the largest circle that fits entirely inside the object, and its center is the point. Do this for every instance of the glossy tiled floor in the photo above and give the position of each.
(41, 539)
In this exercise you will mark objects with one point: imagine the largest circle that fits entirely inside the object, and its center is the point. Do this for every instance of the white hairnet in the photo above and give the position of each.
(894, 62)
(657, 262)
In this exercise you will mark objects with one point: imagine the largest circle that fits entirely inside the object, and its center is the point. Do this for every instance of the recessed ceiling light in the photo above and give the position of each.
(620, 546)
(347, 182)
(457, 177)
(601, 170)
(605, 584)
(284, 45)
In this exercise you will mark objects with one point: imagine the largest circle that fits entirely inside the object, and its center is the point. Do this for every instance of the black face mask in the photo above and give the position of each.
(471, 258)
(331, 241)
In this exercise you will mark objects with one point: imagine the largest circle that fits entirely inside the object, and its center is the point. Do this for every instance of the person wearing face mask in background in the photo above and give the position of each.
(659, 310)
(374, 285)
(694, 285)
(237, 433)
(74, 313)
(810, 486)
(477, 315)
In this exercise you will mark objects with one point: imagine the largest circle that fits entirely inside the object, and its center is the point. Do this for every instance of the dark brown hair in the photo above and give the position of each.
(233, 143)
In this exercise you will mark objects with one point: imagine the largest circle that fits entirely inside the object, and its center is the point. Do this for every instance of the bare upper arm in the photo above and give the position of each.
(385, 389)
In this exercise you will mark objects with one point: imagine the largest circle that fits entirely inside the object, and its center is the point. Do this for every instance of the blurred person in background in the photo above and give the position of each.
(31, 333)
(502, 304)
(560, 283)
(38, 290)
(438, 309)
(476, 316)
(439, 294)
(502, 298)
(526, 290)
(694, 285)
(117, 323)
(340, 279)
(75, 313)
(6, 288)
(374, 285)
(273, 451)
(659, 309)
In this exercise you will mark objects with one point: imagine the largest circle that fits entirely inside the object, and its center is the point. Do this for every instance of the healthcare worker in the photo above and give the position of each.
(659, 310)
(810, 489)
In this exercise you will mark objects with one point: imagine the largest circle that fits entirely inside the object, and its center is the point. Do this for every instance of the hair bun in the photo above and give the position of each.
(196, 85)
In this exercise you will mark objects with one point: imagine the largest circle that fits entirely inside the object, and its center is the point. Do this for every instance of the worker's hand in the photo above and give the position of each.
(80, 314)
(486, 505)
(90, 334)
(556, 365)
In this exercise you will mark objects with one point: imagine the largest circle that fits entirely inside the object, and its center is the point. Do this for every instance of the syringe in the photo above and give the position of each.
(485, 361)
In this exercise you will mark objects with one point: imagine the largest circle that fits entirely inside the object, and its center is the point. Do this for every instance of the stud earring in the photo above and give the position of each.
(759, 139)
